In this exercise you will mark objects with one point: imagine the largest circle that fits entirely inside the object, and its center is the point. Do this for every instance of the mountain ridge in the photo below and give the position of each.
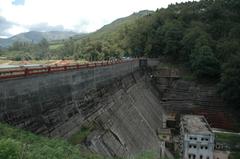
(116, 24)
(36, 36)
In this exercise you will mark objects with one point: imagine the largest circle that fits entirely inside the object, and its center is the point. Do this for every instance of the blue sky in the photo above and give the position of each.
(17, 16)
(18, 2)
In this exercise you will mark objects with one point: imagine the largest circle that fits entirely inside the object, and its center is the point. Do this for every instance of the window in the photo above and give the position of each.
(204, 147)
(207, 157)
(191, 156)
(192, 146)
(204, 139)
(201, 157)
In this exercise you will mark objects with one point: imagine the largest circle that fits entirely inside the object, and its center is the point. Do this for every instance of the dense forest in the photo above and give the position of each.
(203, 36)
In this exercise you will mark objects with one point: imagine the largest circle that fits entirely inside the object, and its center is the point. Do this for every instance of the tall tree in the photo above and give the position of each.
(229, 86)
(42, 49)
(173, 36)
(204, 64)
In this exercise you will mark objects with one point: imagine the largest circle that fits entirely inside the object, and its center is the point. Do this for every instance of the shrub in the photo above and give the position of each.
(204, 64)
(10, 149)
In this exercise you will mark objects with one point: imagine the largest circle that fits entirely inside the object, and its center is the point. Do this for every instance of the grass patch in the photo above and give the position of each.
(145, 155)
(55, 46)
(19, 144)
(188, 77)
(81, 135)
(4, 61)
(228, 138)
(232, 140)
(234, 155)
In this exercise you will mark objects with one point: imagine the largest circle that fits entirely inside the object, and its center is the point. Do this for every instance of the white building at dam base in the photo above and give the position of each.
(197, 138)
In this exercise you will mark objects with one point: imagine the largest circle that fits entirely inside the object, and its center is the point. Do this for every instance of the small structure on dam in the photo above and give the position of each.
(197, 138)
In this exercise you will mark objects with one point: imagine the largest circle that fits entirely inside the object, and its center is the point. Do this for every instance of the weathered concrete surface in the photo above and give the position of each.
(55, 103)
(118, 99)
(130, 120)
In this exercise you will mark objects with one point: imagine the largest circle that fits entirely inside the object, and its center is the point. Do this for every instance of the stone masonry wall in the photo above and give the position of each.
(53, 104)
(118, 99)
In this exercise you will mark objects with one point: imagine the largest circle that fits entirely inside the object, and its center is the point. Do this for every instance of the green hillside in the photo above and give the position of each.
(119, 23)
(106, 42)
(19, 144)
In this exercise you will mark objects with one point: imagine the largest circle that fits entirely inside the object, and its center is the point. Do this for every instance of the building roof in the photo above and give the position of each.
(195, 124)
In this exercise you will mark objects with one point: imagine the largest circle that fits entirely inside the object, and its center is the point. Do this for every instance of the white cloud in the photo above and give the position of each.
(16, 29)
(76, 15)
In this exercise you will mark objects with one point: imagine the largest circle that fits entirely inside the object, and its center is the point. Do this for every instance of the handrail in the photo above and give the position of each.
(23, 72)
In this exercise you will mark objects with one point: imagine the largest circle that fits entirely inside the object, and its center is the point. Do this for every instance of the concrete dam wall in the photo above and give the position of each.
(129, 119)
(119, 99)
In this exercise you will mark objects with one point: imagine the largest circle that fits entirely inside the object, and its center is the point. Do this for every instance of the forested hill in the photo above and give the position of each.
(123, 21)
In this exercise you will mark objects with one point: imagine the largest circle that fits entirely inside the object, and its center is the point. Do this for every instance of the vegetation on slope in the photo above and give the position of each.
(232, 141)
(80, 136)
(234, 155)
(19, 144)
